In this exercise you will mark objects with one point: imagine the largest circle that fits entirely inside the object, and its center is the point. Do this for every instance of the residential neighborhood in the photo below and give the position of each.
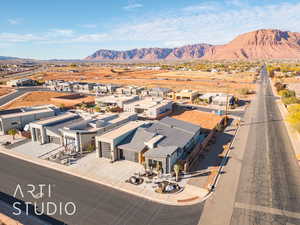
(139, 112)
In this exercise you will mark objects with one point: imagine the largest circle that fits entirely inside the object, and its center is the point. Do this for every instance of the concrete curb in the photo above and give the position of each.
(63, 169)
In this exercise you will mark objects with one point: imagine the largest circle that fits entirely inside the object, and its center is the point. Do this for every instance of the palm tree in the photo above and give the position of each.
(176, 170)
(13, 133)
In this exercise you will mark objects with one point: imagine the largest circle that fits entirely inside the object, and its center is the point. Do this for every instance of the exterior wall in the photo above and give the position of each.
(114, 143)
(131, 156)
(86, 140)
(19, 122)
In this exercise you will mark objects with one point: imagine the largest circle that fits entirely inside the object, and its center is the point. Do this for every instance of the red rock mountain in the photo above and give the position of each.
(260, 44)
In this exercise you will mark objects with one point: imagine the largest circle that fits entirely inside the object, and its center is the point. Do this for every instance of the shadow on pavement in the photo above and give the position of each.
(10, 200)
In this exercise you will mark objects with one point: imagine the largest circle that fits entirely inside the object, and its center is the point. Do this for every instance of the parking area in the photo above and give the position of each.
(35, 149)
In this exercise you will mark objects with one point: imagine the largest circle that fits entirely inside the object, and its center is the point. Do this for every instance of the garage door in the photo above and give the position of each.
(105, 150)
(130, 156)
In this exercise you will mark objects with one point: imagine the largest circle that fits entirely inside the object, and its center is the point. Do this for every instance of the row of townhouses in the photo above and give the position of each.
(108, 89)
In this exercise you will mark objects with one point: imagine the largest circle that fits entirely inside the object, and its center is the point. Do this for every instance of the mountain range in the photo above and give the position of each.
(259, 44)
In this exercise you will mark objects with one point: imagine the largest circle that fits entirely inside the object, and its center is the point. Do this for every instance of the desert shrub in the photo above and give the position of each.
(244, 91)
(290, 100)
(286, 93)
(294, 116)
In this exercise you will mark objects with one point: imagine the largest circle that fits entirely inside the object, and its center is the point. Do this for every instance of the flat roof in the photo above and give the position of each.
(56, 118)
(18, 114)
(122, 130)
(114, 98)
(203, 119)
(149, 103)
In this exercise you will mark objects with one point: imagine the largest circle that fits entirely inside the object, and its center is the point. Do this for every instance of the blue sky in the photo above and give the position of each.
(75, 29)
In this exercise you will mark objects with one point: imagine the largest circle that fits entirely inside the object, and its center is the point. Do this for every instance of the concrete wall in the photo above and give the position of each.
(19, 122)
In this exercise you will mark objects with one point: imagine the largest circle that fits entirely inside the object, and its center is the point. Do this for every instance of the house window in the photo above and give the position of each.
(14, 123)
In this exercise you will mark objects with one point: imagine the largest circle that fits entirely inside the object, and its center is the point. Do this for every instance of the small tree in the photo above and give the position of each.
(62, 106)
(13, 133)
(176, 170)
(97, 109)
(90, 148)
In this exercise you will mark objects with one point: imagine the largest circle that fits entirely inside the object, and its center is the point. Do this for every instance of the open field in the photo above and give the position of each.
(5, 90)
(42, 98)
(176, 80)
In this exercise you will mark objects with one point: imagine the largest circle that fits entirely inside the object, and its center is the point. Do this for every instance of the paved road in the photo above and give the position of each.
(269, 185)
(261, 181)
(96, 204)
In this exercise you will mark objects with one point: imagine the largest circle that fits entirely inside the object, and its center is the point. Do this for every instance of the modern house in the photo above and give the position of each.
(218, 98)
(47, 130)
(65, 86)
(106, 144)
(18, 118)
(129, 90)
(77, 132)
(150, 108)
(159, 92)
(188, 95)
(105, 88)
(164, 142)
(115, 100)
(83, 87)
(21, 82)
(223, 99)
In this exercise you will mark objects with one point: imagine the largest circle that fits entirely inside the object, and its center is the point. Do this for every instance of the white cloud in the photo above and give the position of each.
(132, 6)
(14, 37)
(15, 21)
(179, 28)
(204, 6)
(215, 27)
(62, 32)
(89, 25)
(90, 38)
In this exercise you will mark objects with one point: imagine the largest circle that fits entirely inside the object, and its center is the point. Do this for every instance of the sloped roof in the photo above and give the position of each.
(137, 143)
(160, 151)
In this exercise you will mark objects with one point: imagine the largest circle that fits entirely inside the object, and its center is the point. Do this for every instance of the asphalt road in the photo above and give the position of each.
(96, 204)
(269, 184)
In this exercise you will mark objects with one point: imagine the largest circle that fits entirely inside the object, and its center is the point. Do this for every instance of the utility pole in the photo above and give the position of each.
(226, 107)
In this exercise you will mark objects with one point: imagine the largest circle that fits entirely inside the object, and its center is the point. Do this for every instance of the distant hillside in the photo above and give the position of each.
(8, 58)
(259, 44)
(185, 52)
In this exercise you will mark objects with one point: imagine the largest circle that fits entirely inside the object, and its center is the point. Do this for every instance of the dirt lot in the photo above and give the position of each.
(42, 98)
(5, 90)
(176, 80)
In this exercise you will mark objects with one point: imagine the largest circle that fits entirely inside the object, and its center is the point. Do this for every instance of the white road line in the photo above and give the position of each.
(263, 209)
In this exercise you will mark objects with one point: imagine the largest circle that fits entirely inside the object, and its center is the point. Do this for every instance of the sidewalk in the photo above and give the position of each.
(95, 172)
(294, 135)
